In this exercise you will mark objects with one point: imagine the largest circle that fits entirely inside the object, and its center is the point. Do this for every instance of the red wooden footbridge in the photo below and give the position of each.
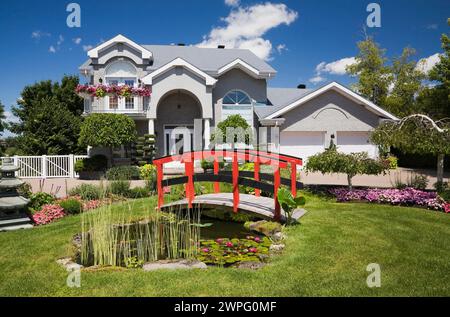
(261, 182)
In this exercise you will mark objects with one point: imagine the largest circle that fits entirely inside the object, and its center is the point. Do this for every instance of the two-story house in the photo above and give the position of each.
(189, 83)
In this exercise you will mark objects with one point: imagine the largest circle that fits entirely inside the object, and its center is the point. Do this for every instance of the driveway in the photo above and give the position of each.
(61, 186)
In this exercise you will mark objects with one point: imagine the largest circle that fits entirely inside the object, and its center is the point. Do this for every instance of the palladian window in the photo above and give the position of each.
(121, 73)
(237, 102)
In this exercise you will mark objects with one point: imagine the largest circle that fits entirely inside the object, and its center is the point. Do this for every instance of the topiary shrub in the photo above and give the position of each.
(96, 163)
(208, 165)
(71, 206)
(123, 173)
(40, 199)
(87, 192)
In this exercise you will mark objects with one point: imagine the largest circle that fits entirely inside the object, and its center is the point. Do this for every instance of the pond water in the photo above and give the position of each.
(223, 229)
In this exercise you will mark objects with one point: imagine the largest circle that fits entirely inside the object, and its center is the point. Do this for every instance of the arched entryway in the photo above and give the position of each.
(175, 122)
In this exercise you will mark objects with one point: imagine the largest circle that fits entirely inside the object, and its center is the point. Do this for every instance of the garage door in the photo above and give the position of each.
(302, 144)
(355, 141)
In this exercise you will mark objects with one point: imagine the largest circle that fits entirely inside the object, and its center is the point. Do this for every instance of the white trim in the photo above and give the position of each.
(146, 54)
(178, 62)
(340, 89)
(238, 63)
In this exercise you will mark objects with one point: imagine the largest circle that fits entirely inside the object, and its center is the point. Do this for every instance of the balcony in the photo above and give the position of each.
(133, 106)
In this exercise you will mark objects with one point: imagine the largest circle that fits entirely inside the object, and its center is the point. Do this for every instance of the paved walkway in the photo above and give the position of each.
(60, 186)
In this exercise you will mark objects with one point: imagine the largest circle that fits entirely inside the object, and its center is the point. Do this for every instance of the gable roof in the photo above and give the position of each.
(210, 81)
(145, 54)
(282, 104)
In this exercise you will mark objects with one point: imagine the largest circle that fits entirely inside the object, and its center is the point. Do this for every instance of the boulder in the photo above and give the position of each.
(277, 247)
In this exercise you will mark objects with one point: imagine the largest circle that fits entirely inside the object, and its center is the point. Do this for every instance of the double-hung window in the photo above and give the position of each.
(237, 102)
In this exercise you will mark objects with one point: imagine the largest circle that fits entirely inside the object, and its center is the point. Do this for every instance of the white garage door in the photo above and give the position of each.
(355, 141)
(302, 144)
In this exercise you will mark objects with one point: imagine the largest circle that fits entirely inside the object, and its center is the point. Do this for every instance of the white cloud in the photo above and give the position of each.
(336, 68)
(77, 40)
(246, 26)
(281, 48)
(87, 47)
(52, 49)
(426, 64)
(60, 40)
(37, 35)
(232, 3)
(317, 79)
(432, 26)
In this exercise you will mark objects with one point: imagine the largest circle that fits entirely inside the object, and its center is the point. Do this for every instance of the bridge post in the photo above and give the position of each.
(257, 191)
(189, 171)
(276, 185)
(216, 172)
(235, 169)
(294, 179)
(160, 189)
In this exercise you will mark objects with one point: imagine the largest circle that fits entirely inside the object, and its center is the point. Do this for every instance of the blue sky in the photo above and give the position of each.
(294, 36)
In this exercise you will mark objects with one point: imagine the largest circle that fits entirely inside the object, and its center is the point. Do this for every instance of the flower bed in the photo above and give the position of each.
(101, 91)
(47, 214)
(402, 197)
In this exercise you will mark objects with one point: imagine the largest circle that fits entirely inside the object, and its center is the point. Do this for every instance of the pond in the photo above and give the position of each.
(223, 229)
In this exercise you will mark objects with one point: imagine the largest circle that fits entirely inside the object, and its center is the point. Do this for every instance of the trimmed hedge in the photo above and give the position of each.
(125, 173)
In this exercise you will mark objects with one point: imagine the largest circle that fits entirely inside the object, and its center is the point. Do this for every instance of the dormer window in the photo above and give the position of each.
(237, 102)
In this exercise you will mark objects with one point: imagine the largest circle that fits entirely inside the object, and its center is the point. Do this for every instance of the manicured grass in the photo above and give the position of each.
(326, 255)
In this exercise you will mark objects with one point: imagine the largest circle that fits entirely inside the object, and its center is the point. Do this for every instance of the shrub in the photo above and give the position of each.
(71, 206)
(40, 199)
(139, 192)
(24, 190)
(147, 171)
(96, 163)
(48, 214)
(87, 192)
(331, 161)
(120, 187)
(123, 173)
(393, 162)
(441, 186)
(445, 195)
(417, 181)
(209, 165)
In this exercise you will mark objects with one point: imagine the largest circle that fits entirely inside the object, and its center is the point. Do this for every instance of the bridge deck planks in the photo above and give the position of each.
(261, 206)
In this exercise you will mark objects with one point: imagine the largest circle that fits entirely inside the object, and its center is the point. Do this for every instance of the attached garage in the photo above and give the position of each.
(302, 144)
(355, 141)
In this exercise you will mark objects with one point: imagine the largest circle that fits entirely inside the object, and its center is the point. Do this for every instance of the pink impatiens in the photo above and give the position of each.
(100, 91)
(403, 197)
(48, 214)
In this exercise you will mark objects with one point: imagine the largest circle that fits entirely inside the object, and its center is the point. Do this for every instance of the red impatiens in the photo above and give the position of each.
(447, 208)
(100, 91)
(48, 214)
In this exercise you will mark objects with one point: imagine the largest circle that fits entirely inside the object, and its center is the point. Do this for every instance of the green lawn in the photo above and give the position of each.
(326, 255)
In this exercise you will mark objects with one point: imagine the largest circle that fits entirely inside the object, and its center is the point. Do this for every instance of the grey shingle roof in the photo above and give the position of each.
(278, 98)
(209, 60)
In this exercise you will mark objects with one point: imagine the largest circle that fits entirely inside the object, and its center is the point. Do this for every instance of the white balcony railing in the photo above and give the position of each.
(134, 105)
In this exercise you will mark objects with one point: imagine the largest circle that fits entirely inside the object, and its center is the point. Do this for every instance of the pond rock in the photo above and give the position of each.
(277, 247)
(267, 228)
(174, 265)
(250, 265)
(69, 264)
(278, 236)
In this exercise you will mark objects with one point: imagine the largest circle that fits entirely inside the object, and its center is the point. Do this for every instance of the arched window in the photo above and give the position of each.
(236, 97)
(121, 73)
(237, 102)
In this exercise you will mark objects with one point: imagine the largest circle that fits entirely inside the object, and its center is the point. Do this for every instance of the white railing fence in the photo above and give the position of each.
(46, 166)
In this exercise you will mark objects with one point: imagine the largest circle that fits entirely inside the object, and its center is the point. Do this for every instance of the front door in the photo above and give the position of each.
(178, 139)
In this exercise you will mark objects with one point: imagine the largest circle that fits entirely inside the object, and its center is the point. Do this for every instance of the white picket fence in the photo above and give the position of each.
(46, 166)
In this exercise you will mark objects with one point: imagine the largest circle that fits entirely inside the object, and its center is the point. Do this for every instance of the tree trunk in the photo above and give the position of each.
(440, 168)
(350, 185)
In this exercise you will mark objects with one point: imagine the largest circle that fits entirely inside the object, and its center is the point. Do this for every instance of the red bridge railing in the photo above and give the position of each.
(277, 161)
